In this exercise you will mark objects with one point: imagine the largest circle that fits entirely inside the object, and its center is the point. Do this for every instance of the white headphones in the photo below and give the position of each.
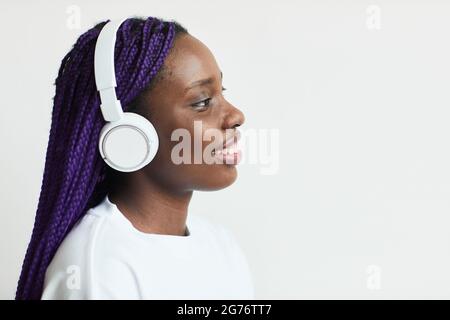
(128, 141)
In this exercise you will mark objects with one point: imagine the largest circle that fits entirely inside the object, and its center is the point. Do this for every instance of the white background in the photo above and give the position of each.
(360, 205)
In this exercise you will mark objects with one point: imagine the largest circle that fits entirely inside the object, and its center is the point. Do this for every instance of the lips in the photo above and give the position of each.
(229, 152)
(229, 146)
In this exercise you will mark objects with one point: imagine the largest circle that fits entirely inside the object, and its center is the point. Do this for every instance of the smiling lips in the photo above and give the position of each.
(229, 153)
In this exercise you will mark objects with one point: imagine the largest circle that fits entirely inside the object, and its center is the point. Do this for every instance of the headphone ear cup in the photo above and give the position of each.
(128, 144)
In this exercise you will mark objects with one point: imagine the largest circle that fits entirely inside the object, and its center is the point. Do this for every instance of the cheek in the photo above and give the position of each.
(196, 175)
(199, 135)
(204, 175)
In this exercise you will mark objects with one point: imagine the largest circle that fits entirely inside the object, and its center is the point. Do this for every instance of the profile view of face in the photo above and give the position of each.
(190, 98)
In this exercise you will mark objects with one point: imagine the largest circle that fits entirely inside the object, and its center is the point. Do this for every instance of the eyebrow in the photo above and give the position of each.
(202, 82)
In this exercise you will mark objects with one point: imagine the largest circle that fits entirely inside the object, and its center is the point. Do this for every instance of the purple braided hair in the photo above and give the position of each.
(75, 176)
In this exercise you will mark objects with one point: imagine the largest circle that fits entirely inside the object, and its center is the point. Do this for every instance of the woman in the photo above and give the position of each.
(104, 234)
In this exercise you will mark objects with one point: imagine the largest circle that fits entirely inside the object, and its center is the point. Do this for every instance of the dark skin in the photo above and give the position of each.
(156, 198)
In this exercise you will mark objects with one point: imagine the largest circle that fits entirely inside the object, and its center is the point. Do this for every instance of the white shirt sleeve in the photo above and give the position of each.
(80, 271)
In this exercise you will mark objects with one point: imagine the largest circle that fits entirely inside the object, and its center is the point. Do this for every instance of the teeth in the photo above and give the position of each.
(226, 151)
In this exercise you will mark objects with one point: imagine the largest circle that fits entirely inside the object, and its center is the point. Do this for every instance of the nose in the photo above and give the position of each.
(233, 118)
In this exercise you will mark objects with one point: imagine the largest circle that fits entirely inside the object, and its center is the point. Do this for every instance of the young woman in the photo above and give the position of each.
(104, 234)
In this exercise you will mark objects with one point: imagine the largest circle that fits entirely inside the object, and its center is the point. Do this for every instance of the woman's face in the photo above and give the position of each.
(181, 101)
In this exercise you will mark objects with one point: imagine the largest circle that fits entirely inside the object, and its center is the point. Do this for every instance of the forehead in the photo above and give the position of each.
(190, 60)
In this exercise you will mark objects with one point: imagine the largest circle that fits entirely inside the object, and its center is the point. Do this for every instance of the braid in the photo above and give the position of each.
(75, 176)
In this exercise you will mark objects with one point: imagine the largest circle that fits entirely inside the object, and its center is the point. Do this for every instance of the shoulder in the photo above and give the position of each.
(82, 261)
(70, 264)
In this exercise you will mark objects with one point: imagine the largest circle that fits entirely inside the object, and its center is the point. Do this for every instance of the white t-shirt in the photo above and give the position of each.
(105, 257)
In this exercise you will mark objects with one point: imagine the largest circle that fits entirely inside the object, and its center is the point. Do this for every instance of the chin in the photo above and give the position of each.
(219, 178)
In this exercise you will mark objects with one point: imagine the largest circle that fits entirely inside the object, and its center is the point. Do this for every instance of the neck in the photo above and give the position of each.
(151, 208)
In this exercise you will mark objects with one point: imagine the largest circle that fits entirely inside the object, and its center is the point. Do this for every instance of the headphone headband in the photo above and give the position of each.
(105, 75)
(128, 141)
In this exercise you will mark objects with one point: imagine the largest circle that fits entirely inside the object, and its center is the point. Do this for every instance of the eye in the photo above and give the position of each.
(202, 104)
